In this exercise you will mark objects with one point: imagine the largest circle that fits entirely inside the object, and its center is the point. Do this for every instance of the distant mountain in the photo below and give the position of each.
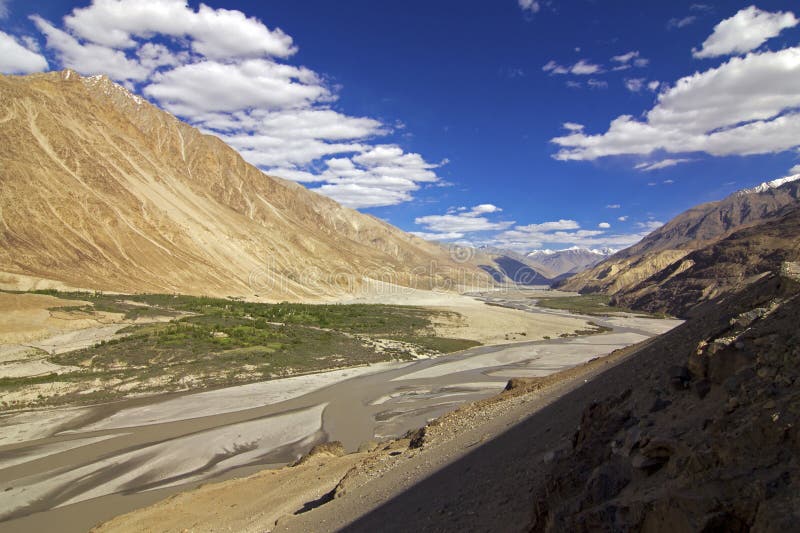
(505, 266)
(690, 231)
(568, 261)
(101, 190)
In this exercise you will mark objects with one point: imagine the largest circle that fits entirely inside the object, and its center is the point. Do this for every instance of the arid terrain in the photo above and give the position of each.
(537, 269)
(56, 463)
(131, 199)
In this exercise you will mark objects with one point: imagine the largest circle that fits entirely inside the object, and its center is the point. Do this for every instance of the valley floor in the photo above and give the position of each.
(79, 466)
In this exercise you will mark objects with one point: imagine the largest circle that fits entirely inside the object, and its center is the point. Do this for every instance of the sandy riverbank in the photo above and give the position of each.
(275, 499)
(474, 320)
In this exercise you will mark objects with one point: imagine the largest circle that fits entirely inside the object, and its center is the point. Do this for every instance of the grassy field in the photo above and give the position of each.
(216, 342)
(586, 304)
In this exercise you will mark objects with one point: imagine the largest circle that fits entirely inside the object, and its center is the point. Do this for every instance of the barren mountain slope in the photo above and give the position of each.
(102, 190)
(719, 268)
(705, 438)
(689, 231)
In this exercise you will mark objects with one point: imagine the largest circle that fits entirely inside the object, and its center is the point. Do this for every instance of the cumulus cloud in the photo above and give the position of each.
(226, 73)
(210, 86)
(747, 105)
(653, 85)
(584, 68)
(562, 232)
(213, 33)
(15, 58)
(746, 30)
(623, 218)
(456, 224)
(88, 58)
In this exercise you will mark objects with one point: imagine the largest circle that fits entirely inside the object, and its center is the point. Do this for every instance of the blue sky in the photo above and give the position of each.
(444, 117)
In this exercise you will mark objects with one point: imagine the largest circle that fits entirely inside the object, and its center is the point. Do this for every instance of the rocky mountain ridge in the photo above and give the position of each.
(695, 229)
(103, 191)
(568, 261)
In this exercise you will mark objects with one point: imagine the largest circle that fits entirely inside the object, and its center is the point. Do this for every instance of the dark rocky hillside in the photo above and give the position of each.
(719, 268)
(706, 439)
(696, 229)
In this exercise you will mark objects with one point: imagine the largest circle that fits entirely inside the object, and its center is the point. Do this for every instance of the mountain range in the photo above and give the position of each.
(703, 252)
(103, 191)
(568, 261)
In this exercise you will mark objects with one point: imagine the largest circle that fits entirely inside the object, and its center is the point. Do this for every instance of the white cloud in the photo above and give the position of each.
(794, 170)
(210, 86)
(430, 236)
(650, 225)
(221, 71)
(746, 30)
(669, 182)
(572, 126)
(153, 56)
(634, 84)
(747, 105)
(465, 221)
(18, 59)
(597, 84)
(556, 225)
(681, 22)
(664, 163)
(90, 58)
(564, 233)
(214, 33)
(604, 225)
(585, 68)
(531, 6)
(653, 85)
(581, 68)
(554, 68)
(4, 9)
(623, 218)
(625, 58)
(629, 59)
(485, 209)
(379, 176)
(613, 206)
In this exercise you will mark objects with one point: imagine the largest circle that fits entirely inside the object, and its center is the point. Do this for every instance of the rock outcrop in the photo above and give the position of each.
(708, 441)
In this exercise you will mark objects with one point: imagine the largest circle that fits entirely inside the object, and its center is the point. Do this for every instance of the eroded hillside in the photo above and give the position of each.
(103, 191)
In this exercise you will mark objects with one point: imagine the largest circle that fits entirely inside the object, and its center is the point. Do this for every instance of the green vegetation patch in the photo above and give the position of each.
(586, 304)
(219, 342)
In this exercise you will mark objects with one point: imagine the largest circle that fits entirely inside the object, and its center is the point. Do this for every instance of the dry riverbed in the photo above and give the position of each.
(89, 464)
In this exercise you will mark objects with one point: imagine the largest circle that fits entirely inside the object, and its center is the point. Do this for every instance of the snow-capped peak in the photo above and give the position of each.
(774, 184)
(574, 249)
